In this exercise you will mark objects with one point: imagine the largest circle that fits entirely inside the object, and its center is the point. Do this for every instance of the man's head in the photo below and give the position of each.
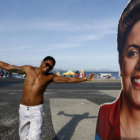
(47, 64)
(129, 17)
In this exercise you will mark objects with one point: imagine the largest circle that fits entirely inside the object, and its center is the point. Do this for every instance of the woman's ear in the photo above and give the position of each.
(120, 74)
(120, 64)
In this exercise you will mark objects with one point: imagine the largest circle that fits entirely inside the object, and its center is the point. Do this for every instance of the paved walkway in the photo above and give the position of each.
(75, 119)
(70, 113)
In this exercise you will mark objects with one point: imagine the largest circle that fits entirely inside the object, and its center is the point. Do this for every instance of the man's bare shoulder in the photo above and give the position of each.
(29, 68)
(50, 76)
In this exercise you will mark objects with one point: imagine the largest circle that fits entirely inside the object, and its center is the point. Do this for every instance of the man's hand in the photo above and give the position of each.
(90, 77)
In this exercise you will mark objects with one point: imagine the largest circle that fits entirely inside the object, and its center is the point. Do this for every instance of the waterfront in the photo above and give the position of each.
(114, 74)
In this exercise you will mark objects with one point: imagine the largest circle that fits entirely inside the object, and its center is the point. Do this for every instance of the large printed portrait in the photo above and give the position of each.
(121, 119)
(79, 38)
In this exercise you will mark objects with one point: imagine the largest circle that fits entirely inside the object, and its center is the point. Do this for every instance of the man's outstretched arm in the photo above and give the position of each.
(12, 68)
(59, 79)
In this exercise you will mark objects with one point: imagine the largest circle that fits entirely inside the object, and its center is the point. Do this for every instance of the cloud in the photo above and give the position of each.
(35, 49)
(62, 46)
(39, 24)
(74, 34)
(18, 48)
(92, 37)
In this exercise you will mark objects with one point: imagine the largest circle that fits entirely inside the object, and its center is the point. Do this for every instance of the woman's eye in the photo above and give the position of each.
(132, 53)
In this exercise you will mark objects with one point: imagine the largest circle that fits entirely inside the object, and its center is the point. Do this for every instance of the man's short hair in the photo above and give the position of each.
(129, 17)
(49, 58)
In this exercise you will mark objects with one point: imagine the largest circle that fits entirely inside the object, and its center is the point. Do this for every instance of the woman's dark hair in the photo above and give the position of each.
(129, 17)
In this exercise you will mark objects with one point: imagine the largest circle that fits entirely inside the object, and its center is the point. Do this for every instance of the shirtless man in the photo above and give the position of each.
(31, 110)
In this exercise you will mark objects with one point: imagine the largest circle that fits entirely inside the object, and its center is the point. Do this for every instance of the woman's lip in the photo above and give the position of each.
(136, 83)
(136, 77)
(136, 80)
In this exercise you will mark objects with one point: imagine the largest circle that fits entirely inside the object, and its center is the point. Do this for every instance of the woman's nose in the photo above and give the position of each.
(138, 64)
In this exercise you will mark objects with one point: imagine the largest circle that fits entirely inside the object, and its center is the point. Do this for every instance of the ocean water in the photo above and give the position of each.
(114, 75)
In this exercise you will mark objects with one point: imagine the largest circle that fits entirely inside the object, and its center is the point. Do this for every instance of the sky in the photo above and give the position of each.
(79, 34)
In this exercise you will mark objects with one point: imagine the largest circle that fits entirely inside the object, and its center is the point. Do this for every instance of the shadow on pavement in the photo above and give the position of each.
(68, 130)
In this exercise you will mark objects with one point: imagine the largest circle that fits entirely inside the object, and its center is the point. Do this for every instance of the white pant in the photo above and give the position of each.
(30, 122)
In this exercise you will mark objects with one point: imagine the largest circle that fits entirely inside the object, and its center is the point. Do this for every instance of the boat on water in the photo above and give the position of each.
(105, 75)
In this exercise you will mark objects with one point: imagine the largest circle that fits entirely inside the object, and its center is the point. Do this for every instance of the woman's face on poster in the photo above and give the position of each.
(130, 66)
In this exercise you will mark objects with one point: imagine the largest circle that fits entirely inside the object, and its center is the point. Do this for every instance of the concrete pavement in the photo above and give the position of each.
(75, 119)
(70, 110)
